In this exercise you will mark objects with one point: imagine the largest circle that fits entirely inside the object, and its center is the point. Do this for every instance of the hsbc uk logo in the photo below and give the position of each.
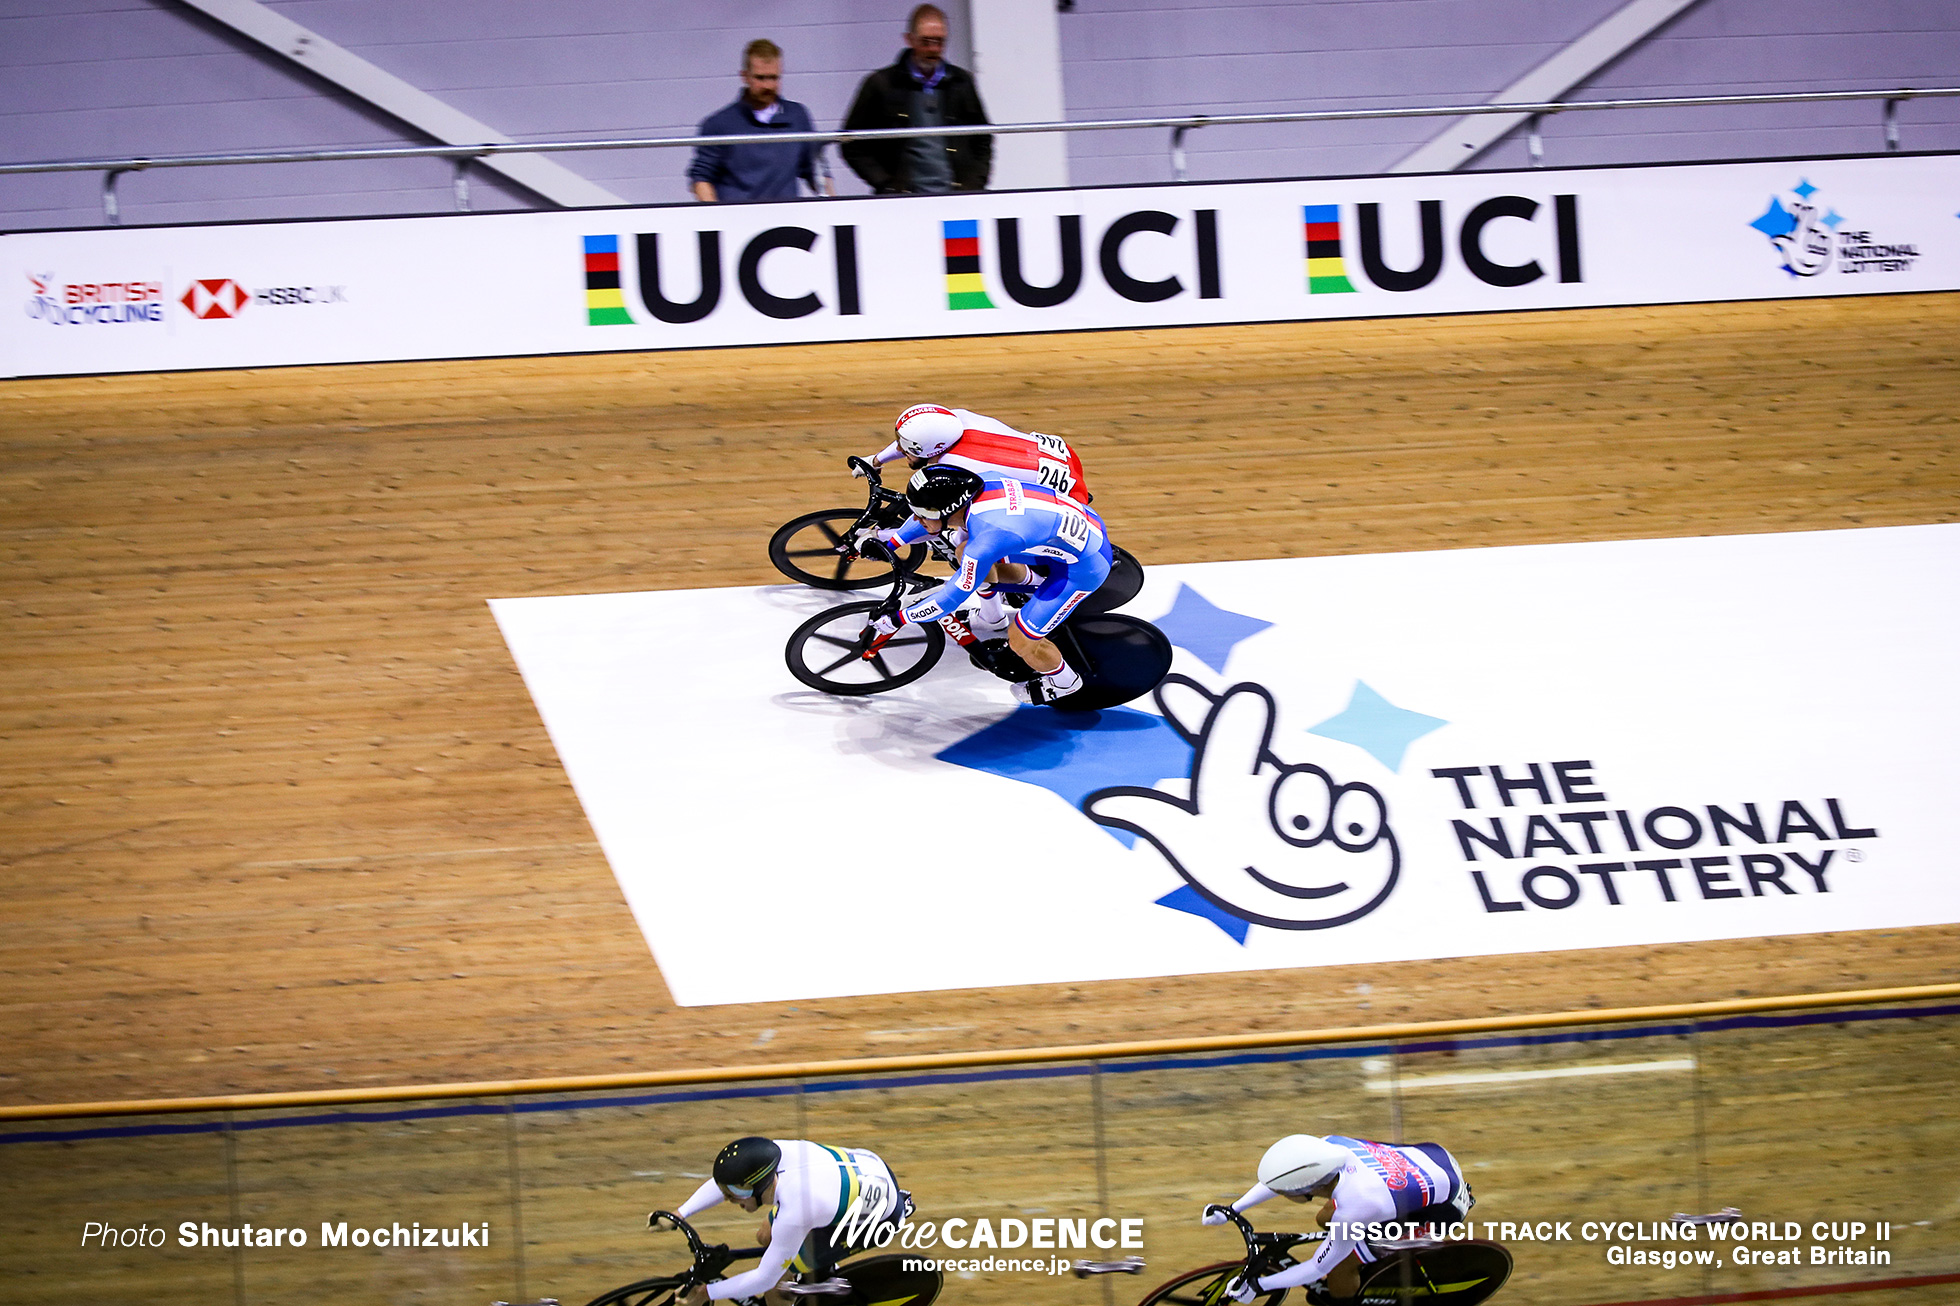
(210, 299)
(215, 298)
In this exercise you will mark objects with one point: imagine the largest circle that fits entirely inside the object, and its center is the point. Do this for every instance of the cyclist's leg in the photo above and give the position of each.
(1027, 632)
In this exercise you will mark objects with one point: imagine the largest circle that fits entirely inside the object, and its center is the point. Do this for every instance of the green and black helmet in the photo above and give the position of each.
(745, 1166)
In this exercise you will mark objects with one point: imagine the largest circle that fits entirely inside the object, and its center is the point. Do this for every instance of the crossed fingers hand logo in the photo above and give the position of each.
(1275, 843)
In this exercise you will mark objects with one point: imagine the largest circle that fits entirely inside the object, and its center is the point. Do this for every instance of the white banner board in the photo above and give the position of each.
(686, 276)
(1359, 760)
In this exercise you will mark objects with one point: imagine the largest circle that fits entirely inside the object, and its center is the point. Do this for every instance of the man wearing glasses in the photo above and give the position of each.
(920, 90)
(825, 1203)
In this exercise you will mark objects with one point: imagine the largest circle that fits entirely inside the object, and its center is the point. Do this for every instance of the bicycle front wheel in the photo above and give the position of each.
(1204, 1287)
(647, 1292)
(823, 653)
(805, 550)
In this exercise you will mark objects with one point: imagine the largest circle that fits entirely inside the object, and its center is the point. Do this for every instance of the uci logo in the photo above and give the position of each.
(1272, 842)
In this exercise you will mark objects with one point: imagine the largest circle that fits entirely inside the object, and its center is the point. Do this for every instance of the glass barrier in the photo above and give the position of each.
(1832, 1131)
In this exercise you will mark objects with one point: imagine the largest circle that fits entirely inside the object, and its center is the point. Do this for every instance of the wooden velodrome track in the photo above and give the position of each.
(280, 815)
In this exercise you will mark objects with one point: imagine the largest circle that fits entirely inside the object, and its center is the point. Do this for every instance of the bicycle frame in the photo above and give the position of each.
(709, 1261)
(1263, 1250)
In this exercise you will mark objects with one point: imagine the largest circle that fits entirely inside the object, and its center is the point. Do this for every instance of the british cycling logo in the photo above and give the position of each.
(92, 303)
(1805, 233)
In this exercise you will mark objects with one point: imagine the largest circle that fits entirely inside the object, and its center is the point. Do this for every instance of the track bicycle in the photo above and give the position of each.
(816, 549)
(1120, 657)
(855, 1283)
(1432, 1271)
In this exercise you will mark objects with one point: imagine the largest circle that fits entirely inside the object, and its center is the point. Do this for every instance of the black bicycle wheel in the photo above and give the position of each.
(647, 1292)
(1124, 580)
(1203, 1287)
(885, 1280)
(1456, 1273)
(823, 653)
(805, 550)
(1120, 657)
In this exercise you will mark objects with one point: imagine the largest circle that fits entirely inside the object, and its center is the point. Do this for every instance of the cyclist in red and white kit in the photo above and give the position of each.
(929, 435)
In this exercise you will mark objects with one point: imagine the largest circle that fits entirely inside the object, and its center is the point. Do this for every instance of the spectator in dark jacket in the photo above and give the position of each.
(920, 90)
(757, 172)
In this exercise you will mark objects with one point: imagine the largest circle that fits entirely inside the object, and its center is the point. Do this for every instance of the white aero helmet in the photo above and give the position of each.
(927, 430)
(1299, 1161)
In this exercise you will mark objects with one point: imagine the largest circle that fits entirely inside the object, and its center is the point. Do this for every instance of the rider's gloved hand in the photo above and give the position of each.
(880, 629)
(860, 468)
(1242, 1289)
(873, 549)
(1215, 1214)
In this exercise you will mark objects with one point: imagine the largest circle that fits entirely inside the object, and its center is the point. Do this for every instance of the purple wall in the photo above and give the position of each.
(1137, 58)
(94, 78)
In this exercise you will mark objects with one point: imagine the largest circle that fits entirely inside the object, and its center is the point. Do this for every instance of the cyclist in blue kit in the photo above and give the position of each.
(1006, 529)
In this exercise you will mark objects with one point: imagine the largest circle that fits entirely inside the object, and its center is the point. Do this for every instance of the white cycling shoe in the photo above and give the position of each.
(1056, 685)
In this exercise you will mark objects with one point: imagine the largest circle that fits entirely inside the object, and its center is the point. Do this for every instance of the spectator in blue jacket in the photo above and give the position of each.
(731, 173)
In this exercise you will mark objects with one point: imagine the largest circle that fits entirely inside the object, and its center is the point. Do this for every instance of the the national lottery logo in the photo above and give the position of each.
(1284, 835)
(1798, 227)
(1810, 237)
(1270, 820)
(1273, 842)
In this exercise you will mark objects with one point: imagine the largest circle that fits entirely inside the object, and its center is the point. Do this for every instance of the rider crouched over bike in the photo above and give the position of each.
(929, 435)
(1362, 1183)
(1009, 528)
(825, 1203)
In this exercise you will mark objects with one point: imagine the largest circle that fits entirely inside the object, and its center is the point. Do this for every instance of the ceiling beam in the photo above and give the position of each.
(1466, 138)
(393, 96)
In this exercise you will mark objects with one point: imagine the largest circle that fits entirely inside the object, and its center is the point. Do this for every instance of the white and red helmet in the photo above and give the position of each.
(927, 430)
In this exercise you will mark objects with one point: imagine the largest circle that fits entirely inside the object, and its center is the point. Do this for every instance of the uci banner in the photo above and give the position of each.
(690, 276)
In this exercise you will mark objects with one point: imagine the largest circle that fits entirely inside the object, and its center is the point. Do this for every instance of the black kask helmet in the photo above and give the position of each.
(941, 491)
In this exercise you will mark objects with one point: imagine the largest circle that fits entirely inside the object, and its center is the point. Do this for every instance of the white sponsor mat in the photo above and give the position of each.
(1672, 740)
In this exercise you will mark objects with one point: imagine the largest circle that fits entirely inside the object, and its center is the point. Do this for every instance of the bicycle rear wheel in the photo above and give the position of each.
(647, 1292)
(1456, 1273)
(1203, 1287)
(1124, 580)
(1120, 657)
(805, 550)
(885, 1281)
